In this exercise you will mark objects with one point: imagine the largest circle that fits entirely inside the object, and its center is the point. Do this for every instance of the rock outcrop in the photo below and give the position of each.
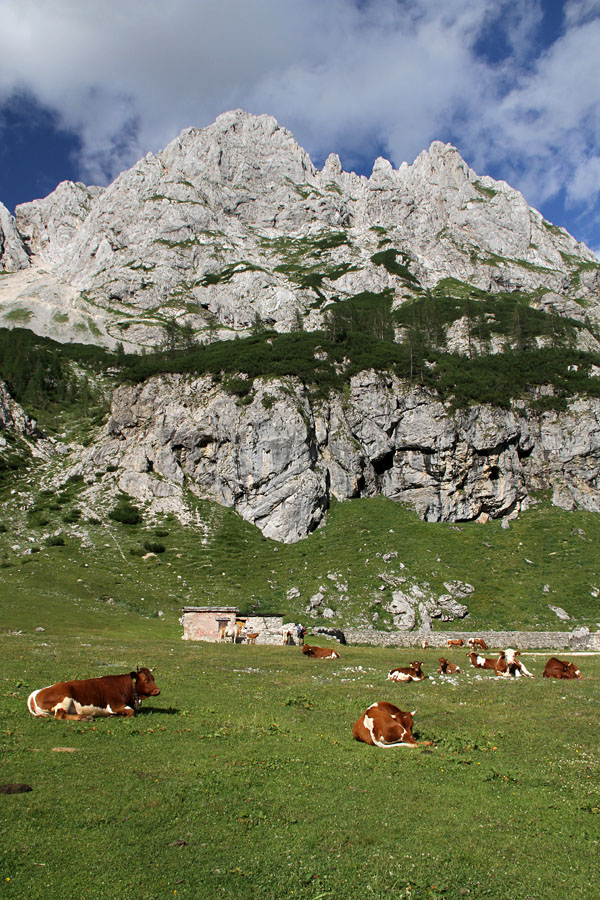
(281, 458)
(13, 255)
(234, 222)
(12, 416)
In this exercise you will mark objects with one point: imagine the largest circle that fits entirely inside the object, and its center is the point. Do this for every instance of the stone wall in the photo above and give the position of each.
(269, 629)
(579, 639)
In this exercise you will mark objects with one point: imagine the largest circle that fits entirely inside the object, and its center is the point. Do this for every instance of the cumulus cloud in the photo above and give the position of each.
(357, 77)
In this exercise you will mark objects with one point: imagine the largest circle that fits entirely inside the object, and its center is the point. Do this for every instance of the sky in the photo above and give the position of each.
(87, 87)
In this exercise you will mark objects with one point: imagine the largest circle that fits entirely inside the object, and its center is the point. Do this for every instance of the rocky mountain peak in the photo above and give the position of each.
(233, 222)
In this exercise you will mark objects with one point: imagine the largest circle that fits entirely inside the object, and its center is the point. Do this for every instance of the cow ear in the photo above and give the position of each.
(133, 675)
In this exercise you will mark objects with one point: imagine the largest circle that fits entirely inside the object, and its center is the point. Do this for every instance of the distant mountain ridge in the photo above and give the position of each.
(232, 224)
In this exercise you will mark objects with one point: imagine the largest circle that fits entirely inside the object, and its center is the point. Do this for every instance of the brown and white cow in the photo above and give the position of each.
(510, 666)
(455, 643)
(414, 672)
(558, 668)
(447, 668)
(110, 695)
(384, 725)
(481, 662)
(475, 643)
(320, 652)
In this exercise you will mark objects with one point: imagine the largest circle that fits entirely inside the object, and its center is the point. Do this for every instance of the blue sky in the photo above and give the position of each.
(88, 87)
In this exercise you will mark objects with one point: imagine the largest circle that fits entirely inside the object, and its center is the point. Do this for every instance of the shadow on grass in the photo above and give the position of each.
(158, 710)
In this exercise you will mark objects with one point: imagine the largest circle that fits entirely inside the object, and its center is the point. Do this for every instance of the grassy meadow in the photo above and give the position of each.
(242, 779)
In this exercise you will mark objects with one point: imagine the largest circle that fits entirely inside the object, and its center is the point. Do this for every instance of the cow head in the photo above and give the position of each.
(145, 685)
(571, 672)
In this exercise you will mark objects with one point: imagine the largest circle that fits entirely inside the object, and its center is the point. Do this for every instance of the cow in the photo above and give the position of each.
(384, 725)
(480, 662)
(509, 666)
(231, 632)
(447, 668)
(558, 668)
(413, 672)
(110, 695)
(455, 643)
(320, 652)
(477, 642)
(251, 638)
(424, 645)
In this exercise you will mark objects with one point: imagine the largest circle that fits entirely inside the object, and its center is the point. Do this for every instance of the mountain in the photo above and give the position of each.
(233, 223)
(422, 334)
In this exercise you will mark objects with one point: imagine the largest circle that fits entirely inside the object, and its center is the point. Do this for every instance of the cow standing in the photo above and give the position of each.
(110, 695)
(385, 725)
(477, 643)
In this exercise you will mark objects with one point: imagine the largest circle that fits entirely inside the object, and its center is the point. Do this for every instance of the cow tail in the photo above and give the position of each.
(32, 706)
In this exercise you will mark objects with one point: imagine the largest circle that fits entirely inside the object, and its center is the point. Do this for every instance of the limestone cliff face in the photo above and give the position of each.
(13, 417)
(280, 459)
(234, 221)
(13, 255)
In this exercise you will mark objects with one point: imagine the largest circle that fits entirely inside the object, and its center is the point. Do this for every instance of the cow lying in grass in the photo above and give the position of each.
(447, 668)
(558, 668)
(384, 725)
(510, 666)
(413, 672)
(320, 652)
(482, 662)
(110, 695)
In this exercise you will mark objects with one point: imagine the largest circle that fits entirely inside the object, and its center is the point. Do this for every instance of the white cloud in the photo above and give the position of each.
(130, 80)
(357, 77)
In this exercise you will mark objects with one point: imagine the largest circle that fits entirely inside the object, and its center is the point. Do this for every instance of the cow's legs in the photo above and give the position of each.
(61, 713)
(123, 711)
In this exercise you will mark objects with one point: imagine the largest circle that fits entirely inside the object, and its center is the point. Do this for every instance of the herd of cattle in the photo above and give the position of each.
(385, 725)
(381, 725)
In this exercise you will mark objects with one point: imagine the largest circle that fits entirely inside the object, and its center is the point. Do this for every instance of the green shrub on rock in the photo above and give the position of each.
(126, 513)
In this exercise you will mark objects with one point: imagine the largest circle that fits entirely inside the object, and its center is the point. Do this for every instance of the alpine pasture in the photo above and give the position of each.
(242, 778)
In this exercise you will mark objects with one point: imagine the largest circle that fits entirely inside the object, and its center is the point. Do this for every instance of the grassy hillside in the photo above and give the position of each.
(57, 549)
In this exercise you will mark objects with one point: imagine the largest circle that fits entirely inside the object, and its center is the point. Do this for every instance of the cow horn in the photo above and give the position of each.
(413, 712)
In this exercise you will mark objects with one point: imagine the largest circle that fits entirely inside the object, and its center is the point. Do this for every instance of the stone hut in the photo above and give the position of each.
(204, 623)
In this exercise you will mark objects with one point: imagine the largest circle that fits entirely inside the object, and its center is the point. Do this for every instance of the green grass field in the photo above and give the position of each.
(242, 780)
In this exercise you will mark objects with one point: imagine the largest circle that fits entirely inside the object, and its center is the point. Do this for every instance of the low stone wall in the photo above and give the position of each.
(520, 640)
(269, 629)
